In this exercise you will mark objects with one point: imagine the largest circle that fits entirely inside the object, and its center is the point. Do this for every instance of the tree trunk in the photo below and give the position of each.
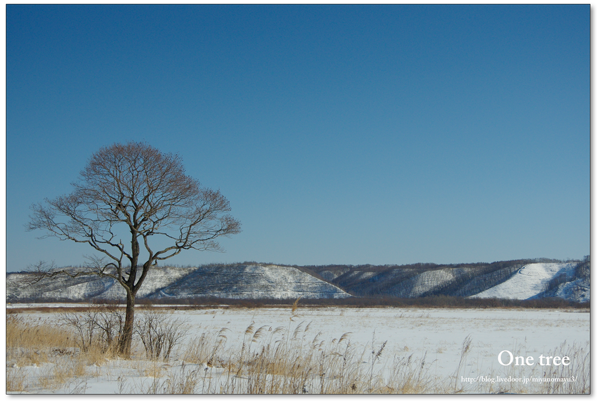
(127, 335)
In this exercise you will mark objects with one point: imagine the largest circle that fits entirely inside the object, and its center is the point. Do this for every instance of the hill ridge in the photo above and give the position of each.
(250, 280)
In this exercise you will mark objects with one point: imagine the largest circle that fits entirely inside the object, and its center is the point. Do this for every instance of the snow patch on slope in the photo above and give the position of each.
(529, 281)
(577, 290)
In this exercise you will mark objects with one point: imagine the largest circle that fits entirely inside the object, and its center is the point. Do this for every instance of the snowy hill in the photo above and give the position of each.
(519, 279)
(86, 288)
(251, 282)
(531, 281)
(226, 281)
(418, 280)
(516, 279)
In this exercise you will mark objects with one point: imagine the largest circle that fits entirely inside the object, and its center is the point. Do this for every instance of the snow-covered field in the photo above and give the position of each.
(433, 335)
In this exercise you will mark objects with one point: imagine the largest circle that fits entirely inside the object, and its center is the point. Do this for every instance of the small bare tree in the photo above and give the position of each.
(129, 199)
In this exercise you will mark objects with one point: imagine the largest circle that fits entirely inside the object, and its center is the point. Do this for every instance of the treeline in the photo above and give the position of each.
(372, 301)
(581, 271)
(379, 301)
(478, 279)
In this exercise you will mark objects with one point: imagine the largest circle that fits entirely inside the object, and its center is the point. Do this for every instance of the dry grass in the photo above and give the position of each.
(29, 343)
(153, 370)
(295, 361)
(579, 367)
(52, 348)
(60, 373)
(466, 347)
(16, 380)
(295, 306)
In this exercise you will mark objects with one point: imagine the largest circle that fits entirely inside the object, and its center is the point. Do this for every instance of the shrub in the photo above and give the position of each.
(98, 327)
(159, 333)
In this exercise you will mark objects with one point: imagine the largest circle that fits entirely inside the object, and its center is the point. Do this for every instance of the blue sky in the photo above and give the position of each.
(340, 134)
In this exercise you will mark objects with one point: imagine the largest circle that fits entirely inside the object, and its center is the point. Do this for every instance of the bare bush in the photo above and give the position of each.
(98, 327)
(159, 334)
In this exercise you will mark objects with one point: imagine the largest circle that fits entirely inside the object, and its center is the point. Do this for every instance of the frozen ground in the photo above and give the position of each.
(437, 335)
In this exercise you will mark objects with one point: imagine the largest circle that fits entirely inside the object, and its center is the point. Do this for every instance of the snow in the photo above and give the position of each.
(577, 290)
(528, 282)
(435, 334)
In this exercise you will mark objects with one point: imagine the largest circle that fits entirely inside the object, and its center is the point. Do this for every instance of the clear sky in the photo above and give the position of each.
(340, 134)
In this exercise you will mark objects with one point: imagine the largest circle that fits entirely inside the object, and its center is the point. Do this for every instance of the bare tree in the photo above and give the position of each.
(128, 200)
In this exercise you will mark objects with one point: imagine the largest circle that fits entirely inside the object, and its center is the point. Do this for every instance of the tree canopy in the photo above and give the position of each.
(134, 204)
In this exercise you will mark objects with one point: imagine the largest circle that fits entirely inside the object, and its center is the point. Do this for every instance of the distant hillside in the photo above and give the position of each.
(573, 286)
(225, 281)
(250, 282)
(464, 280)
(88, 287)
(530, 281)
(520, 279)
(418, 280)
